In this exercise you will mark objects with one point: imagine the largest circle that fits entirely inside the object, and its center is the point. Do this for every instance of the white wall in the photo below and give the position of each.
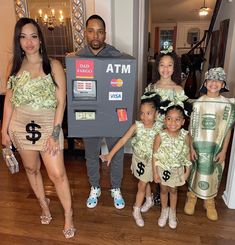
(118, 20)
(103, 8)
(122, 11)
(227, 12)
(90, 8)
(7, 23)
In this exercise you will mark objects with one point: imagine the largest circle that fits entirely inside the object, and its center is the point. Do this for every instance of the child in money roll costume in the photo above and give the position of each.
(210, 127)
(171, 160)
(143, 133)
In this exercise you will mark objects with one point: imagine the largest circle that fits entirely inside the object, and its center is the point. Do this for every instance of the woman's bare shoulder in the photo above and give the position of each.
(56, 65)
(55, 62)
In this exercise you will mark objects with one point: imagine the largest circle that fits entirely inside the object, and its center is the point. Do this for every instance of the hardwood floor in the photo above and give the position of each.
(103, 225)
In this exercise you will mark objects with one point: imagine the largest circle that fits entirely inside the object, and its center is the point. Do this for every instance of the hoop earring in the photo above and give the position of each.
(40, 50)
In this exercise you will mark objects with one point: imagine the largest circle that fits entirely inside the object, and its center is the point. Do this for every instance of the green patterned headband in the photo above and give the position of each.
(167, 50)
(148, 96)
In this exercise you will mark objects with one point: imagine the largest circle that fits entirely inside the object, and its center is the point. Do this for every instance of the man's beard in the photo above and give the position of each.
(96, 45)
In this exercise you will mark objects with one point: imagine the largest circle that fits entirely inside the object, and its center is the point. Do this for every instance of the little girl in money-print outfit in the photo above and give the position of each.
(143, 133)
(171, 164)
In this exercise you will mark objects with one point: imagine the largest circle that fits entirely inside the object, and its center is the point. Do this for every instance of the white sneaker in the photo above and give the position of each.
(163, 217)
(172, 219)
(118, 200)
(149, 202)
(137, 216)
(92, 200)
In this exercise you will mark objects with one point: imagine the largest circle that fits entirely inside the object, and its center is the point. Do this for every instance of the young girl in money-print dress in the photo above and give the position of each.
(168, 86)
(143, 133)
(171, 164)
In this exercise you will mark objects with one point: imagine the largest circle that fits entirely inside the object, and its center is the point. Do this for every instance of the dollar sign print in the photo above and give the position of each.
(30, 128)
(166, 175)
(141, 167)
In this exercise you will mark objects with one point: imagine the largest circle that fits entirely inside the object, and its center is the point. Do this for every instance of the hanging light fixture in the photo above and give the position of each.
(49, 17)
(203, 11)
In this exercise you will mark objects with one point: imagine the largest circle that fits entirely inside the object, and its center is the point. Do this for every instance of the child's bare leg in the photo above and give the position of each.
(164, 196)
(138, 202)
(148, 192)
(173, 204)
(140, 193)
(148, 199)
(165, 209)
(173, 197)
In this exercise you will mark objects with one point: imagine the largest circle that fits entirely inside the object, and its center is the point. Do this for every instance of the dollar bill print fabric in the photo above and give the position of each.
(34, 102)
(142, 144)
(173, 151)
(210, 121)
(39, 92)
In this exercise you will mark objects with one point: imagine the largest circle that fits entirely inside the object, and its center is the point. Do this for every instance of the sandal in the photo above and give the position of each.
(69, 232)
(45, 219)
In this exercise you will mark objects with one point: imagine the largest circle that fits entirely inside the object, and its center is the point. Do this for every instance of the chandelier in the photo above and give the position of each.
(203, 11)
(50, 19)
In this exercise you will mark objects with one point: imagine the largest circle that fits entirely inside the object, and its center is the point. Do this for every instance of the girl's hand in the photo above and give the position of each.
(156, 178)
(220, 157)
(52, 146)
(106, 158)
(186, 174)
(6, 141)
(193, 154)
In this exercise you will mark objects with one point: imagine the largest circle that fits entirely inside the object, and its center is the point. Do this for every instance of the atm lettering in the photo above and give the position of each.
(118, 68)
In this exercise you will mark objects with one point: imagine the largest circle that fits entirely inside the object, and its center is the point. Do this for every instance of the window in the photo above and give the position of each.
(166, 36)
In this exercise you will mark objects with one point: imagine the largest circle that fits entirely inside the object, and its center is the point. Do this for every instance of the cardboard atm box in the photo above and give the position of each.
(100, 95)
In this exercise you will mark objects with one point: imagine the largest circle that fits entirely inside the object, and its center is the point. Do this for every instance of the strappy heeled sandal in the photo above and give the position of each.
(70, 232)
(45, 219)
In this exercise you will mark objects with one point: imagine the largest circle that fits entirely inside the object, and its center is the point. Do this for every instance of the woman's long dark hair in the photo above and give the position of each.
(176, 76)
(18, 53)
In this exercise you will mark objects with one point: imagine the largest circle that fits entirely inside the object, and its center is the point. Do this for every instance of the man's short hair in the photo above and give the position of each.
(95, 17)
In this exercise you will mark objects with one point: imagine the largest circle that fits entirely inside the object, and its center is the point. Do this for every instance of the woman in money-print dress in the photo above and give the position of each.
(33, 114)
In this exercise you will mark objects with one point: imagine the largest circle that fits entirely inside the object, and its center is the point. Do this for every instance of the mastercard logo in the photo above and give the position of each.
(116, 82)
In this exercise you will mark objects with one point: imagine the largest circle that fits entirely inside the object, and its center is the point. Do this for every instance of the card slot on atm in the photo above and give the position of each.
(85, 115)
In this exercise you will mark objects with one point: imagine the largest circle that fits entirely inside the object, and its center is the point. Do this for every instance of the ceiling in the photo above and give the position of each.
(168, 11)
